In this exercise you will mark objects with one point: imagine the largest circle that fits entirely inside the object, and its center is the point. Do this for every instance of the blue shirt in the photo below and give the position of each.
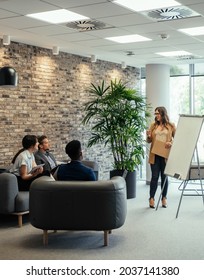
(75, 171)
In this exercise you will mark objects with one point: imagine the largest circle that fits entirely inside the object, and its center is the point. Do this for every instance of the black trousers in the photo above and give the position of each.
(158, 170)
(24, 185)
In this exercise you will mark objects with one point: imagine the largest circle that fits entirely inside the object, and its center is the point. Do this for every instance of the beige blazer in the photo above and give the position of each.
(171, 132)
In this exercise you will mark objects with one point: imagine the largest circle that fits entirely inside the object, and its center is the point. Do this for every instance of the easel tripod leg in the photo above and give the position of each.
(184, 186)
(202, 189)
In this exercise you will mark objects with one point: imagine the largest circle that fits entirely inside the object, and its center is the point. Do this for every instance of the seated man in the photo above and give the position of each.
(43, 155)
(74, 170)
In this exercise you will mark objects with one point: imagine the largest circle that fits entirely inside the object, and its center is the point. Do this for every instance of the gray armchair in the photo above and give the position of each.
(11, 200)
(78, 205)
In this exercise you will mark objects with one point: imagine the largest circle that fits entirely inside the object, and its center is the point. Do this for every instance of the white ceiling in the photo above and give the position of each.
(120, 21)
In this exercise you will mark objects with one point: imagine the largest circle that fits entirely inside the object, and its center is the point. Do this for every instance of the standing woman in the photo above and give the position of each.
(160, 135)
(24, 162)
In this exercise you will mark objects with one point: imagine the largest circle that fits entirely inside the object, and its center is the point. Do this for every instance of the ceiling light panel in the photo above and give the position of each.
(128, 39)
(138, 5)
(174, 53)
(194, 31)
(57, 16)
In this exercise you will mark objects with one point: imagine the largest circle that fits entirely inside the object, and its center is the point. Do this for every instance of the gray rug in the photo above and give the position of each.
(146, 235)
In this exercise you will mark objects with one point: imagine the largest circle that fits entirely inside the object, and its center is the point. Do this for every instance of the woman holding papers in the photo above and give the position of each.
(24, 165)
(160, 135)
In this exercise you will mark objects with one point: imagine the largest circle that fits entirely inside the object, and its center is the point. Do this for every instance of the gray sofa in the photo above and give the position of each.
(11, 200)
(17, 203)
(78, 205)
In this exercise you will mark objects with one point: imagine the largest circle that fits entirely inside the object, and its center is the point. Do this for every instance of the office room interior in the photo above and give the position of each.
(57, 50)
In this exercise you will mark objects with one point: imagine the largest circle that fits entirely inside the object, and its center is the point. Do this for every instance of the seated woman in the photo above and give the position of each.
(24, 165)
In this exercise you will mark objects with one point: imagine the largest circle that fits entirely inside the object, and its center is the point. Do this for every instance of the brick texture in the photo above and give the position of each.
(49, 99)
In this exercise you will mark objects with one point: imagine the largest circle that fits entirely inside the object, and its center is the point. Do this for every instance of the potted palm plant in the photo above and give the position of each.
(120, 116)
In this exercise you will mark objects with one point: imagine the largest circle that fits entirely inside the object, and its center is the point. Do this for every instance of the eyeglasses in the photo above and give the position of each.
(157, 114)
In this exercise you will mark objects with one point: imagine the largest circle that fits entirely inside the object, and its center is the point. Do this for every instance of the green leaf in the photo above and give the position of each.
(118, 116)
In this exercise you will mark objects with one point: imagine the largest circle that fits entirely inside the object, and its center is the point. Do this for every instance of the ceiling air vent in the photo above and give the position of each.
(170, 13)
(130, 53)
(188, 57)
(87, 25)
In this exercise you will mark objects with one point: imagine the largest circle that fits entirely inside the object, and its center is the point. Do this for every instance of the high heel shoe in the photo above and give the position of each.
(164, 202)
(151, 203)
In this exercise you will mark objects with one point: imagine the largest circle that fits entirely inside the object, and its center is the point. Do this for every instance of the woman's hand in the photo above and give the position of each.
(38, 171)
(148, 132)
(168, 145)
(27, 176)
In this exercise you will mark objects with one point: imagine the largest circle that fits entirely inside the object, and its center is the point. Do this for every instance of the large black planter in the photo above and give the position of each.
(130, 181)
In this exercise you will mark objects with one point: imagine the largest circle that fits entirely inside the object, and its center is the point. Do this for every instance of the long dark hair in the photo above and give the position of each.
(18, 153)
(27, 142)
(164, 117)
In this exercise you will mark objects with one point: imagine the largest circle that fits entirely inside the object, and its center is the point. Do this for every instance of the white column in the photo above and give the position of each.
(157, 92)
(157, 85)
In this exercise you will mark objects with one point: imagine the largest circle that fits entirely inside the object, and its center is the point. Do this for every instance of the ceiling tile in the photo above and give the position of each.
(121, 21)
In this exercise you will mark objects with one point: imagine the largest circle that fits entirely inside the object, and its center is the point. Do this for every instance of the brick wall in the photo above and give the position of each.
(49, 99)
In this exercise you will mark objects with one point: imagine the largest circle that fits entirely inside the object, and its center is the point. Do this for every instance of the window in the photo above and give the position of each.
(179, 97)
(186, 97)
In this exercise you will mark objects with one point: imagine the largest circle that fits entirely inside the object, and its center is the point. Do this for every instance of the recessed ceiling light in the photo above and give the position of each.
(138, 5)
(57, 16)
(128, 39)
(194, 31)
(174, 53)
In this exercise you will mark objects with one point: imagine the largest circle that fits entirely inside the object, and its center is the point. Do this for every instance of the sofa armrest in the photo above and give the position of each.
(8, 192)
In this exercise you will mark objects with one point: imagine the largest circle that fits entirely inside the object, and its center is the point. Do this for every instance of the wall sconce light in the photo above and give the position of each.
(8, 77)
(93, 58)
(55, 50)
(6, 40)
(123, 65)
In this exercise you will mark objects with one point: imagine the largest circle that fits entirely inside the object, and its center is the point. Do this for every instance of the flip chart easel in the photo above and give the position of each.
(183, 150)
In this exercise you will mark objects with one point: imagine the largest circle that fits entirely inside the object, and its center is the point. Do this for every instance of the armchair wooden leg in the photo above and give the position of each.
(20, 217)
(20, 220)
(45, 237)
(106, 237)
